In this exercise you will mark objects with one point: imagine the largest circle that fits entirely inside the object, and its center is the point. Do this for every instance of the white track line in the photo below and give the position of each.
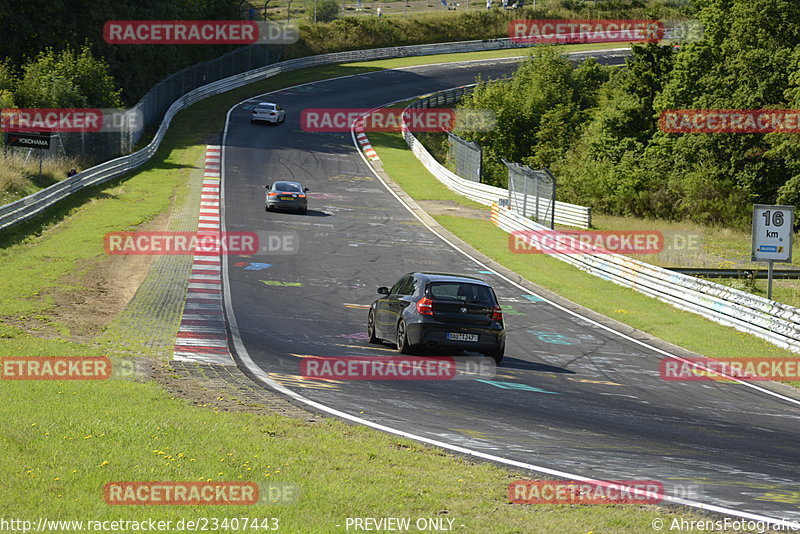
(244, 357)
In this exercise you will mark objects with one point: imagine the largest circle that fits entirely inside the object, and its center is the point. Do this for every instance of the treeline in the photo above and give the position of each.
(597, 127)
(37, 33)
(75, 27)
(350, 33)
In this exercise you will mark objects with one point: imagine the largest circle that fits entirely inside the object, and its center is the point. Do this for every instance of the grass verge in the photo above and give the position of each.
(64, 440)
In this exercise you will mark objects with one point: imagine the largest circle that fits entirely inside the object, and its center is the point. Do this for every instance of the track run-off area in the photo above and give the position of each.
(573, 397)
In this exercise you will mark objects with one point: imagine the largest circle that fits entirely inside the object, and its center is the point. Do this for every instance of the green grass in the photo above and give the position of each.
(63, 440)
(60, 450)
(626, 305)
(416, 180)
(722, 248)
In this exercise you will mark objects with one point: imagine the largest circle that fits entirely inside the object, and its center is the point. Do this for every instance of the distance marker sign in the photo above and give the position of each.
(772, 233)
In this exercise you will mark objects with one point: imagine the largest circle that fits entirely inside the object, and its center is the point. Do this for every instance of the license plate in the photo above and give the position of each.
(287, 198)
(457, 336)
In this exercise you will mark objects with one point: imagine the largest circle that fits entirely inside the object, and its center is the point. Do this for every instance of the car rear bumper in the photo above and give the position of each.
(265, 119)
(434, 335)
(287, 204)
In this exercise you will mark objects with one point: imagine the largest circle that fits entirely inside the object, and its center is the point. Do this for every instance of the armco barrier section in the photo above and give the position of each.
(565, 214)
(32, 205)
(776, 322)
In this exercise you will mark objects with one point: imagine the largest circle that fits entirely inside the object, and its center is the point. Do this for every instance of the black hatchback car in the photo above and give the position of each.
(438, 311)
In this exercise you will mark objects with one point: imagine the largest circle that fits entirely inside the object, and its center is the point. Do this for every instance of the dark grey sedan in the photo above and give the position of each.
(438, 311)
(288, 196)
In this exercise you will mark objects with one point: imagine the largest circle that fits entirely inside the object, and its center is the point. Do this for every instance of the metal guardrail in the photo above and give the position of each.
(776, 322)
(565, 214)
(761, 274)
(35, 204)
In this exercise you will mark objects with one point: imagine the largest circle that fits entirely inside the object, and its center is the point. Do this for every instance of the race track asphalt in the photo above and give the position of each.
(571, 394)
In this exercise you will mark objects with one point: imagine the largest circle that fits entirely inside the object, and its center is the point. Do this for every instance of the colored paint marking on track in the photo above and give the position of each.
(357, 335)
(257, 266)
(533, 298)
(282, 284)
(587, 381)
(552, 337)
(357, 306)
(299, 381)
(516, 385)
(509, 310)
(364, 347)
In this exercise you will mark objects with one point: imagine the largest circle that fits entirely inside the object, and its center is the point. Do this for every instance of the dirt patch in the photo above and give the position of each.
(448, 207)
(222, 388)
(106, 285)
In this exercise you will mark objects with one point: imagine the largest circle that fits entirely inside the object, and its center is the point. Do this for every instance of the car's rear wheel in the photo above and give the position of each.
(371, 337)
(402, 339)
(303, 211)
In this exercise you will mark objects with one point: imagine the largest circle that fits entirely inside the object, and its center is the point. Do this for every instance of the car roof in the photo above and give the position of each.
(446, 277)
(276, 182)
(265, 104)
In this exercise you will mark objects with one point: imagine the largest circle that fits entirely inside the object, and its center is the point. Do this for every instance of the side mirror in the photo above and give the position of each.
(305, 190)
(383, 290)
(268, 186)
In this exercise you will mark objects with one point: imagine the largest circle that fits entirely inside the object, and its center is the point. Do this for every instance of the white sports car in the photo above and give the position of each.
(268, 112)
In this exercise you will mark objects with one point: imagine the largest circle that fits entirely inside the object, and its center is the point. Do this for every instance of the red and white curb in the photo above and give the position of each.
(202, 336)
(361, 137)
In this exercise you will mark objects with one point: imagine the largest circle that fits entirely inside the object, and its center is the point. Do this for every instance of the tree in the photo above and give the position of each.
(326, 10)
(539, 111)
(66, 79)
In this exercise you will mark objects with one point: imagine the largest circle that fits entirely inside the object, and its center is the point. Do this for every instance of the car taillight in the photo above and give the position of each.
(425, 306)
(272, 113)
(301, 196)
(497, 314)
(273, 194)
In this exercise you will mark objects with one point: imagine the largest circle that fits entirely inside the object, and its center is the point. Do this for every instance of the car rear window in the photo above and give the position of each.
(462, 291)
(287, 186)
(265, 107)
